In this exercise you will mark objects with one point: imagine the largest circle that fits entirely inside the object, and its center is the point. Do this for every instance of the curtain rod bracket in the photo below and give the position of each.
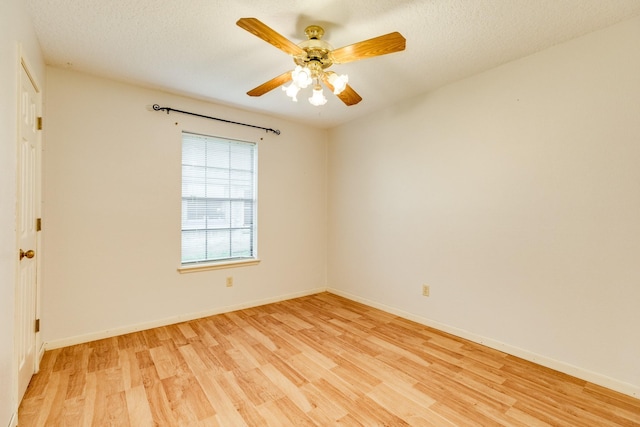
(156, 107)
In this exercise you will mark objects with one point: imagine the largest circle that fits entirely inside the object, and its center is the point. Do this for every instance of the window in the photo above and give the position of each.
(218, 199)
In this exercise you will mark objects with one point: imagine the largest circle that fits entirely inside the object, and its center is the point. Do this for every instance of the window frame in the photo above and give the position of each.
(232, 202)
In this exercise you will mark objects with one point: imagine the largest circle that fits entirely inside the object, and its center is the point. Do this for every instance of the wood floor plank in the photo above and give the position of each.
(72, 411)
(207, 356)
(35, 408)
(77, 380)
(355, 374)
(132, 341)
(131, 377)
(415, 412)
(371, 413)
(307, 367)
(187, 400)
(156, 397)
(317, 360)
(526, 419)
(219, 353)
(114, 411)
(103, 355)
(164, 361)
(137, 405)
(245, 352)
(191, 356)
(56, 398)
(290, 411)
(290, 389)
(187, 331)
(257, 386)
(204, 337)
(225, 411)
(310, 348)
(91, 390)
(324, 410)
(227, 384)
(616, 405)
(285, 369)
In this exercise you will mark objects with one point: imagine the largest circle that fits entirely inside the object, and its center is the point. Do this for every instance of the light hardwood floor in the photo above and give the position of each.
(320, 360)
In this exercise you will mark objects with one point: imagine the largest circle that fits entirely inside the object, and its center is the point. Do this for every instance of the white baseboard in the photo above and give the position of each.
(13, 422)
(80, 339)
(39, 356)
(593, 377)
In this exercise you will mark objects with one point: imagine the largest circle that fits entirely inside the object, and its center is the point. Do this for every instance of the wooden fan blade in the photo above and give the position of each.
(257, 28)
(348, 95)
(270, 85)
(381, 45)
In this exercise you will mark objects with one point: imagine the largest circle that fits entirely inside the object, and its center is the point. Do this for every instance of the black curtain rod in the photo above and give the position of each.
(167, 109)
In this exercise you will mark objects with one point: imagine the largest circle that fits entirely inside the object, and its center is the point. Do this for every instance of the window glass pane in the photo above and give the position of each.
(239, 209)
(193, 152)
(241, 243)
(193, 181)
(217, 183)
(240, 184)
(193, 246)
(217, 155)
(241, 157)
(218, 244)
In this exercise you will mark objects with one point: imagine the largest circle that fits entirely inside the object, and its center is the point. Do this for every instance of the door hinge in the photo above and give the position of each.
(38, 224)
(37, 325)
(39, 123)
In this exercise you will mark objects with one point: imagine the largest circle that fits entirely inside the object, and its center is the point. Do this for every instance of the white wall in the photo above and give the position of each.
(16, 35)
(515, 194)
(112, 210)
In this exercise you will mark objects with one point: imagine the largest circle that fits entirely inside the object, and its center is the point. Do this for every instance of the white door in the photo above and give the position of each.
(28, 208)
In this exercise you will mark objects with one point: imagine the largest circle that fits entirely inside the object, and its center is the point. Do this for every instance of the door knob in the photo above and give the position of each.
(29, 254)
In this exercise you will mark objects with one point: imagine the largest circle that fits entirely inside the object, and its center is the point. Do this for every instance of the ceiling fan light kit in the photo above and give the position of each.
(313, 56)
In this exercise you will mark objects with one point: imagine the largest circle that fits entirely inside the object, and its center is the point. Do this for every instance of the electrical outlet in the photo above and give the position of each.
(229, 281)
(425, 290)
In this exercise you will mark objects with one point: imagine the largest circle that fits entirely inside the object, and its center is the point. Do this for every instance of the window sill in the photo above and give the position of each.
(217, 265)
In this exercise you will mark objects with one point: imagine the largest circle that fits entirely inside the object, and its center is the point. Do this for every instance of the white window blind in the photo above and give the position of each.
(218, 199)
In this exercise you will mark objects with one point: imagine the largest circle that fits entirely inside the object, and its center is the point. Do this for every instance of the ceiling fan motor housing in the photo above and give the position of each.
(317, 51)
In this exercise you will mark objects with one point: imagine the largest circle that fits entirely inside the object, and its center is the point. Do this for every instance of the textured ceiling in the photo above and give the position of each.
(193, 47)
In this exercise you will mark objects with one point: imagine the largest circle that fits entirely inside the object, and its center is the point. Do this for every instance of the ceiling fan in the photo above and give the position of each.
(312, 58)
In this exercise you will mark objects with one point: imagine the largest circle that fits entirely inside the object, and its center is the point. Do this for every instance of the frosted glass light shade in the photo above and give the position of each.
(318, 97)
(301, 77)
(292, 91)
(339, 82)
